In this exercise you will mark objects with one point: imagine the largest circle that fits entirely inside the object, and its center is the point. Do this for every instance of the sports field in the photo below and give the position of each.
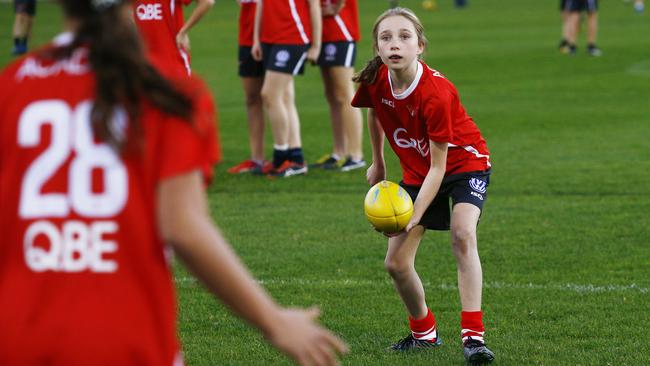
(565, 236)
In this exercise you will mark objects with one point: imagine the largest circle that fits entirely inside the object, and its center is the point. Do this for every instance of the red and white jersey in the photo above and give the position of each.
(246, 22)
(159, 22)
(285, 22)
(343, 27)
(429, 109)
(84, 279)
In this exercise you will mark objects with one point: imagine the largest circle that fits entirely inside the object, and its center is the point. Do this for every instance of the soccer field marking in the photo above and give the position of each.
(342, 283)
(640, 68)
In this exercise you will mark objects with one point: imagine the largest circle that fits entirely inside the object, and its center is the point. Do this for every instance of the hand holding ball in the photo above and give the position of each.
(388, 207)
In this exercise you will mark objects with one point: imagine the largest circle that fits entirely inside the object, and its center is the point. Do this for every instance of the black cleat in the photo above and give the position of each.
(409, 343)
(476, 353)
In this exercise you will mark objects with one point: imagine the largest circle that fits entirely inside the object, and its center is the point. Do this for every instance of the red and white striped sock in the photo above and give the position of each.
(471, 323)
(424, 329)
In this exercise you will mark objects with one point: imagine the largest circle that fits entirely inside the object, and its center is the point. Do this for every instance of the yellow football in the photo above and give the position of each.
(429, 5)
(388, 207)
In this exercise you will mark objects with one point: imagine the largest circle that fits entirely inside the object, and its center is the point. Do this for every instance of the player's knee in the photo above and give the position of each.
(397, 268)
(253, 99)
(338, 97)
(463, 240)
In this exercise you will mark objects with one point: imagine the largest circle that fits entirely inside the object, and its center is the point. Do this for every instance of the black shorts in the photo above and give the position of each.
(286, 58)
(468, 187)
(338, 54)
(581, 5)
(25, 7)
(248, 67)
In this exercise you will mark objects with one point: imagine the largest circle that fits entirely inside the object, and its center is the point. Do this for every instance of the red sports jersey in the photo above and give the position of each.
(285, 22)
(159, 22)
(428, 110)
(84, 278)
(343, 26)
(246, 22)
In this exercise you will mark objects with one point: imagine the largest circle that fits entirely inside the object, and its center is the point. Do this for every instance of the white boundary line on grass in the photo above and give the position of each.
(570, 287)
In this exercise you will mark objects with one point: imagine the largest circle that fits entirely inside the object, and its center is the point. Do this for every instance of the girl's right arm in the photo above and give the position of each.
(186, 224)
(256, 50)
(377, 170)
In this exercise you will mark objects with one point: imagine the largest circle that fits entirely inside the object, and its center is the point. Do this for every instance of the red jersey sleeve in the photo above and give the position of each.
(191, 146)
(438, 118)
(362, 97)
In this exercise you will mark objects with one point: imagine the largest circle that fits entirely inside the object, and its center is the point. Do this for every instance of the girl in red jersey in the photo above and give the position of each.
(286, 34)
(165, 32)
(102, 164)
(251, 73)
(336, 61)
(443, 156)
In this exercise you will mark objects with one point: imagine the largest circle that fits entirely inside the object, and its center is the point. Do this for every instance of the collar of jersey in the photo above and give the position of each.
(411, 88)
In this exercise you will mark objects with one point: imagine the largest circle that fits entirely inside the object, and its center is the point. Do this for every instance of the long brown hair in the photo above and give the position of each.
(123, 75)
(369, 73)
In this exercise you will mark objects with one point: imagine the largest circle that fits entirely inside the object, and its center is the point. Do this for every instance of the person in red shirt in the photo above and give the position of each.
(165, 32)
(102, 169)
(443, 156)
(251, 73)
(286, 34)
(336, 61)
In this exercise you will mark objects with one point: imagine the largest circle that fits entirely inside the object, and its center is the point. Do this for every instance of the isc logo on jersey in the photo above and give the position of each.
(149, 12)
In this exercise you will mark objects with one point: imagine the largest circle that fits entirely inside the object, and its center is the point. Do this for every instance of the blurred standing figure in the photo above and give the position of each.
(103, 166)
(336, 61)
(165, 32)
(251, 73)
(393, 3)
(460, 3)
(24, 10)
(287, 33)
(574, 9)
(564, 43)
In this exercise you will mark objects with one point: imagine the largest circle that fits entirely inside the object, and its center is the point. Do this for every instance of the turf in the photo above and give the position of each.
(564, 236)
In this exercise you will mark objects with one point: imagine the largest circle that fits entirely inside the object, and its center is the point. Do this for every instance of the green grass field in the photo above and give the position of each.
(564, 238)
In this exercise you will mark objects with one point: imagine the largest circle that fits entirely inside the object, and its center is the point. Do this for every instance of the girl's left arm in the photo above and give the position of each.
(316, 30)
(431, 184)
(182, 38)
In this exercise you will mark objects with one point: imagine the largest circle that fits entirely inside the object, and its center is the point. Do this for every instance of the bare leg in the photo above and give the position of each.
(289, 101)
(400, 264)
(573, 23)
(335, 99)
(255, 111)
(464, 219)
(592, 27)
(274, 93)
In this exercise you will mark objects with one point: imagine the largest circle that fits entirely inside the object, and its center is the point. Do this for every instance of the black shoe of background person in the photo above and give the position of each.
(409, 343)
(476, 353)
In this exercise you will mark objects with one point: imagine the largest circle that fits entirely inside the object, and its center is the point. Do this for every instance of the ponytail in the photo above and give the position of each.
(123, 75)
(369, 73)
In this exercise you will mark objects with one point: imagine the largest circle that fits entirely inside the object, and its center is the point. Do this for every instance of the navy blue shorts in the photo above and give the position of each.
(248, 67)
(285, 58)
(338, 54)
(468, 187)
(25, 7)
(581, 5)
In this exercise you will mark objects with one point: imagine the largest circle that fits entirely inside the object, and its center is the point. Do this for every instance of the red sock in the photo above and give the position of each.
(424, 329)
(471, 323)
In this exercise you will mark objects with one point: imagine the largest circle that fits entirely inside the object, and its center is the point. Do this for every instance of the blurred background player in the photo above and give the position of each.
(564, 43)
(165, 32)
(287, 33)
(24, 10)
(460, 3)
(251, 73)
(110, 160)
(575, 8)
(443, 156)
(336, 61)
(639, 6)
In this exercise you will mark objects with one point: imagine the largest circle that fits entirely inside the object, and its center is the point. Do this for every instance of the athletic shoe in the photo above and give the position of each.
(246, 166)
(327, 162)
(288, 169)
(476, 353)
(564, 46)
(264, 169)
(19, 50)
(409, 343)
(594, 51)
(351, 164)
